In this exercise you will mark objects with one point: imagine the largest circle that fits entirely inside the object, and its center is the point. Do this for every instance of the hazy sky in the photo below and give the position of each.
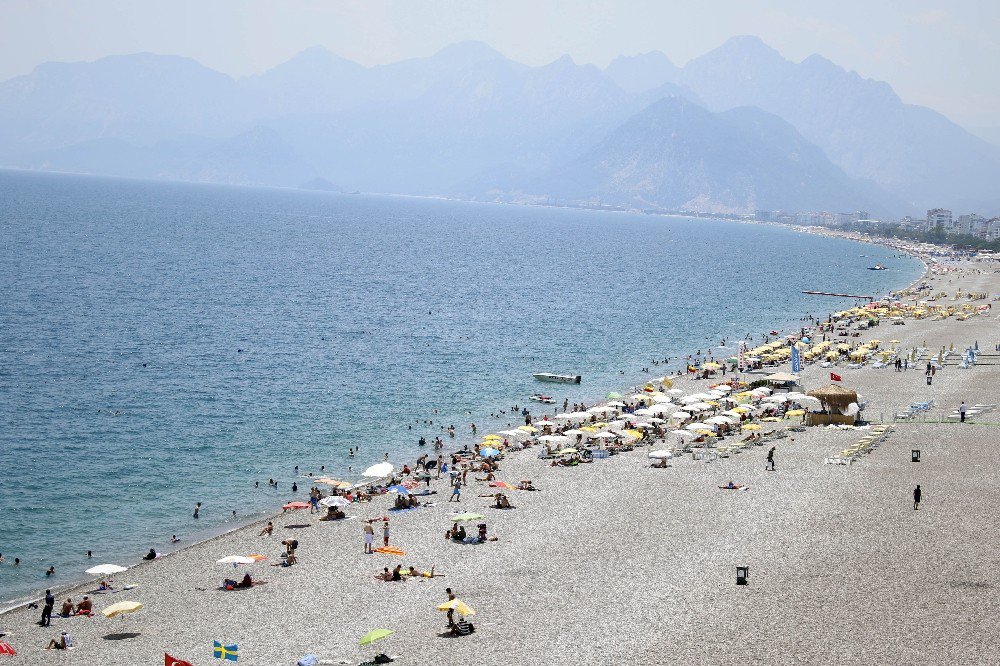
(941, 53)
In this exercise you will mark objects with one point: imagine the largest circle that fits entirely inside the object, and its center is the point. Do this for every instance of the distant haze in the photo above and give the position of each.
(941, 55)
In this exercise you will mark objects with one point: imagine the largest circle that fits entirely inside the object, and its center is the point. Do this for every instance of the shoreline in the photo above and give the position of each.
(661, 543)
(219, 531)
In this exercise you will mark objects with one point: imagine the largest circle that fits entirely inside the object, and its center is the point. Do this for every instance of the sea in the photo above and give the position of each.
(163, 344)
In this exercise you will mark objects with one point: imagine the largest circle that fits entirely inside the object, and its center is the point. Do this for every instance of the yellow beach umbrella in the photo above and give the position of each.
(795, 412)
(527, 428)
(458, 606)
(495, 438)
(121, 608)
(751, 426)
(771, 419)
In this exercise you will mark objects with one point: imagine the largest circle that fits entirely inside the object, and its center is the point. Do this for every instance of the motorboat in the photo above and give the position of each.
(877, 267)
(561, 379)
(547, 399)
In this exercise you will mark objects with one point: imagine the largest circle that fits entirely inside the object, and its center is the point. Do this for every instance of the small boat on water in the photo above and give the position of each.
(561, 379)
(547, 399)
(877, 267)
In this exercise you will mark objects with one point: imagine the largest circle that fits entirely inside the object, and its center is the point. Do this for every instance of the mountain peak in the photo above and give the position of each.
(642, 72)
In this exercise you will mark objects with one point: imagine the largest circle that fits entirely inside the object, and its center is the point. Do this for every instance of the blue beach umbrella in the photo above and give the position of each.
(398, 489)
(488, 452)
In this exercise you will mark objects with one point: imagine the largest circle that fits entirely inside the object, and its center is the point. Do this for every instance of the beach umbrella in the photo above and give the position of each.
(527, 428)
(296, 505)
(489, 452)
(121, 608)
(106, 569)
(465, 517)
(680, 416)
(660, 455)
(375, 635)
(614, 396)
(236, 559)
(662, 398)
(656, 420)
(605, 435)
(616, 404)
(458, 606)
(335, 500)
(700, 406)
(378, 471)
(553, 438)
(751, 426)
(674, 391)
(699, 426)
(683, 434)
(567, 451)
(795, 412)
(398, 489)
(502, 484)
(645, 412)
(574, 432)
(495, 437)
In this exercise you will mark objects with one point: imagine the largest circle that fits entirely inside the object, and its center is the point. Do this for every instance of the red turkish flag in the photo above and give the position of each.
(835, 377)
(6, 648)
(174, 661)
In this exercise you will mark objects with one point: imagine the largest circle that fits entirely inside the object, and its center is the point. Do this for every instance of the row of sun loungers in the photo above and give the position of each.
(863, 446)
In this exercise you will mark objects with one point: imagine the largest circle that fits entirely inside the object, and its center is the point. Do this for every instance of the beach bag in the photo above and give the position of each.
(308, 660)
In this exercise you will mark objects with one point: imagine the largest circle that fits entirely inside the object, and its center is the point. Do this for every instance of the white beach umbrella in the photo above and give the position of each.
(723, 388)
(334, 500)
(605, 435)
(662, 408)
(378, 471)
(560, 439)
(574, 432)
(580, 415)
(662, 399)
(236, 559)
(699, 425)
(684, 434)
(513, 434)
(616, 403)
(674, 391)
(656, 420)
(565, 416)
(810, 402)
(644, 412)
(699, 407)
(680, 416)
(718, 420)
(661, 455)
(778, 399)
(602, 410)
(106, 569)
(689, 400)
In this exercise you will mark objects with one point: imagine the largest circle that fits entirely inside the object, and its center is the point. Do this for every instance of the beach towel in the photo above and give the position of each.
(390, 550)
(308, 660)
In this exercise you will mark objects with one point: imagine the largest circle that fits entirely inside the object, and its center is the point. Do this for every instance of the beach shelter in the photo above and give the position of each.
(235, 560)
(489, 452)
(660, 455)
(121, 609)
(378, 471)
(335, 500)
(375, 635)
(105, 569)
(458, 606)
(398, 489)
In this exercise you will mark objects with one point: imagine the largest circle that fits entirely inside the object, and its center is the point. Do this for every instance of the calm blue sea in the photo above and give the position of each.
(162, 344)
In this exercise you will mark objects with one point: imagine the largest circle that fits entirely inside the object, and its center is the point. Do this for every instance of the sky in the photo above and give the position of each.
(937, 53)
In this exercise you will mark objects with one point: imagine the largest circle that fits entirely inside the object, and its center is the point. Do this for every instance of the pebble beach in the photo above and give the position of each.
(621, 562)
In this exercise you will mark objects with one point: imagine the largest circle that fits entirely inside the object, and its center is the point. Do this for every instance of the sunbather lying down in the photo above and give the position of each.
(734, 486)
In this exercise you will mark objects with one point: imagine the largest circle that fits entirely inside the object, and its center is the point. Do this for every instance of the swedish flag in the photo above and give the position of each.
(229, 652)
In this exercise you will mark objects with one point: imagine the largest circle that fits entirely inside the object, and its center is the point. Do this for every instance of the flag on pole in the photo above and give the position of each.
(229, 652)
(835, 377)
(796, 360)
(174, 661)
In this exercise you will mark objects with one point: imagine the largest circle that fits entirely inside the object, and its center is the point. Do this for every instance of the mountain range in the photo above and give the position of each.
(738, 128)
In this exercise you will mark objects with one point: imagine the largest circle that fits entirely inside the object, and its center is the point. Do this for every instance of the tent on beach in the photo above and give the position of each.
(836, 400)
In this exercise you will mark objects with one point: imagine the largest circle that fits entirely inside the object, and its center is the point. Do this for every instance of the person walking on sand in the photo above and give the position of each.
(451, 611)
(385, 532)
(916, 497)
(369, 533)
(961, 411)
(456, 491)
(769, 466)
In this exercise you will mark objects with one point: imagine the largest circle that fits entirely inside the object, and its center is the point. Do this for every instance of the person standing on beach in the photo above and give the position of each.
(961, 411)
(385, 532)
(369, 534)
(451, 611)
(456, 491)
(50, 602)
(769, 466)
(916, 497)
(197, 509)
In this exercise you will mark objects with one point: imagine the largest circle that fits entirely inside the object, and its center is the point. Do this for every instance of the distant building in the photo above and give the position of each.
(993, 229)
(763, 216)
(972, 225)
(939, 217)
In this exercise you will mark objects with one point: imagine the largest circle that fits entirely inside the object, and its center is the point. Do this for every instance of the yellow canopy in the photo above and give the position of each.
(751, 426)
(121, 608)
(795, 412)
(457, 605)
(527, 428)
